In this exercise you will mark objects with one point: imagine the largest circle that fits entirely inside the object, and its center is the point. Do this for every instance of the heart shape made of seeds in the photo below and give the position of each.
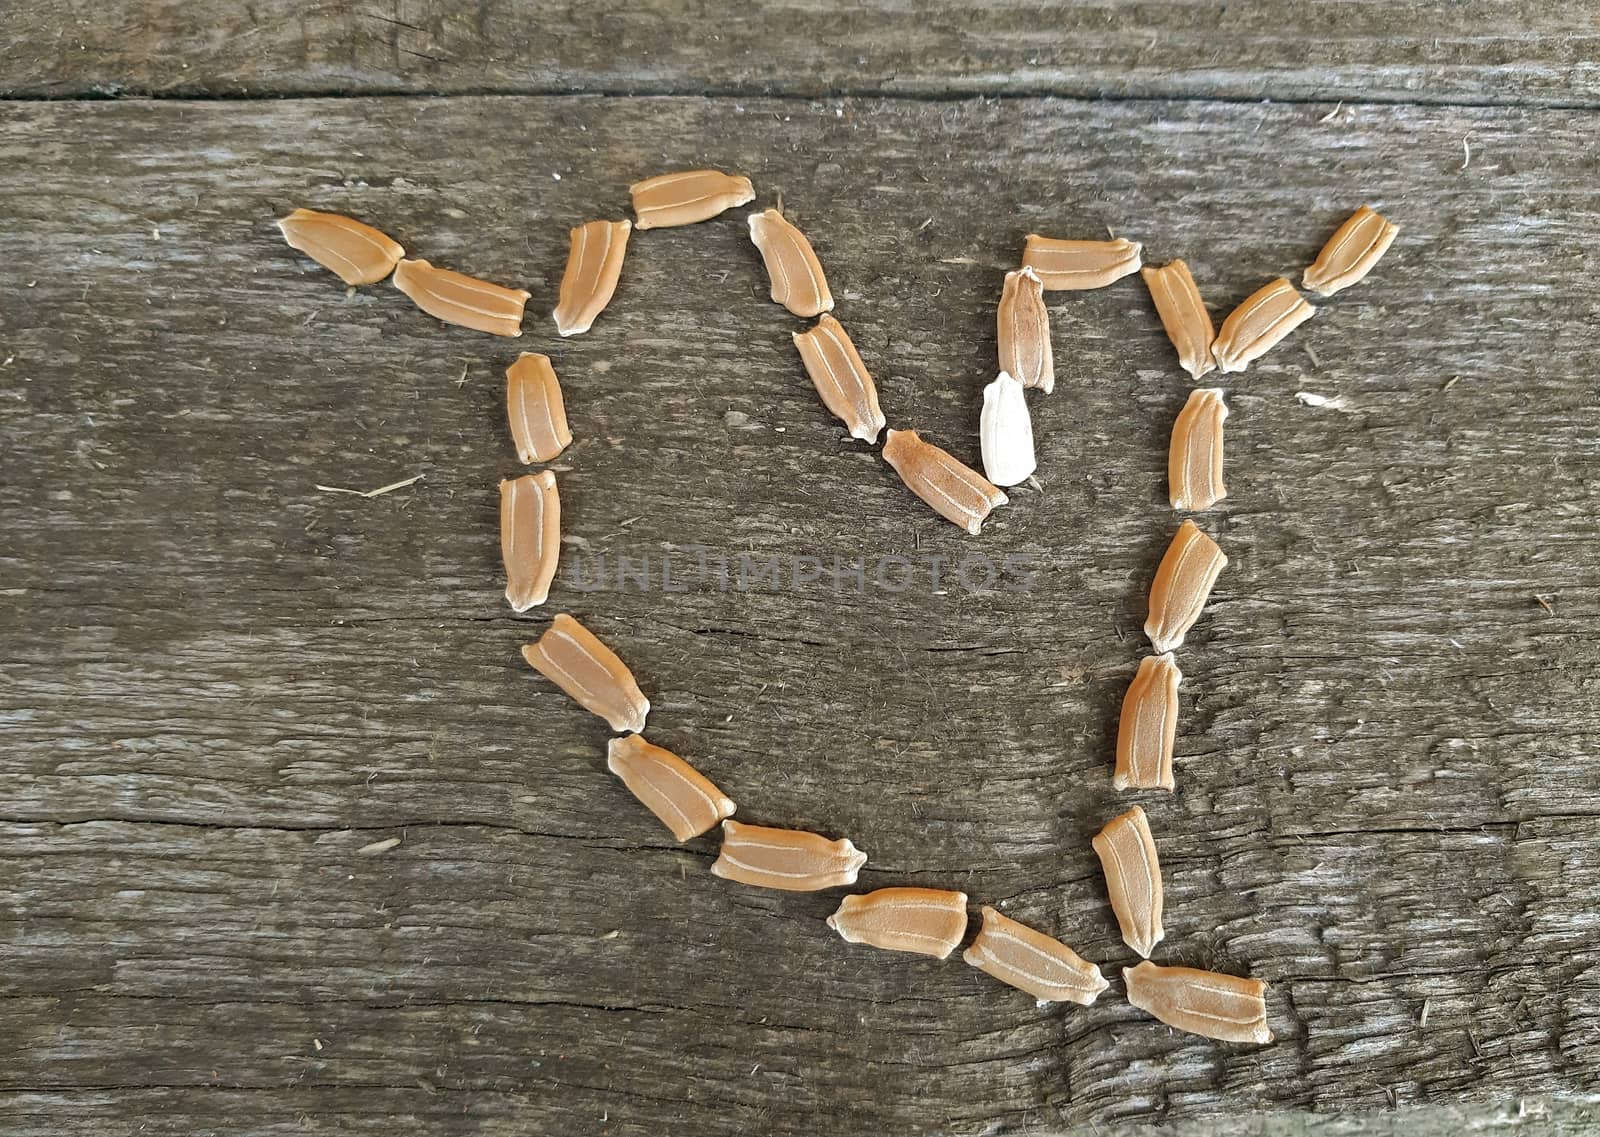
(917, 920)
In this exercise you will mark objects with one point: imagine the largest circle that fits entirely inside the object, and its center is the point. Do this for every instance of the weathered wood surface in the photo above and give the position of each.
(1476, 51)
(219, 684)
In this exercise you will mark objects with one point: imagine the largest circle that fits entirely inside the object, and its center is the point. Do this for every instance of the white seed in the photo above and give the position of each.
(1005, 433)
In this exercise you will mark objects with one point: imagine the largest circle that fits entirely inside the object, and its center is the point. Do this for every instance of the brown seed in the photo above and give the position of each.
(957, 493)
(841, 378)
(535, 409)
(684, 799)
(459, 299)
(1149, 725)
(1031, 961)
(359, 253)
(1078, 265)
(789, 859)
(1352, 252)
(1182, 585)
(1256, 326)
(574, 659)
(1206, 1003)
(928, 921)
(1133, 878)
(796, 274)
(1194, 462)
(686, 197)
(1183, 314)
(594, 263)
(530, 537)
(1023, 326)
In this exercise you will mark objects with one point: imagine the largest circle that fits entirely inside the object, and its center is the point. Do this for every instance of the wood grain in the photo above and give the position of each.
(1476, 51)
(219, 684)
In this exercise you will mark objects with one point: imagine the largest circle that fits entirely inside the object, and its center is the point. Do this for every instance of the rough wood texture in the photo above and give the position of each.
(219, 684)
(1474, 51)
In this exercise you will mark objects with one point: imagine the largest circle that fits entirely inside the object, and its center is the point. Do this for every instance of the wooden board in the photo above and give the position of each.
(1358, 50)
(220, 683)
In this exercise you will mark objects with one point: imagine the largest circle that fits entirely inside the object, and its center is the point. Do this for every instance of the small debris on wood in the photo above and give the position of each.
(1450, 382)
(1466, 153)
(1312, 399)
(1544, 602)
(377, 847)
(1331, 115)
(1422, 1019)
(379, 492)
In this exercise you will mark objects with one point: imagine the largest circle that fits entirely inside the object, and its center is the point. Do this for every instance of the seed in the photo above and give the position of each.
(1022, 324)
(1031, 961)
(1005, 433)
(1206, 1003)
(1148, 726)
(841, 378)
(1182, 585)
(594, 262)
(1183, 314)
(796, 274)
(928, 921)
(789, 859)
(359, 253)
(530, 537)
(686, 197)
(535, 409)
(684, 799)
(1080, 264)
(1133, 878)
(1256, 326)
(574, 659)
(1352, 252)
(1194, 462)
(957, 493)
(463, 300)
